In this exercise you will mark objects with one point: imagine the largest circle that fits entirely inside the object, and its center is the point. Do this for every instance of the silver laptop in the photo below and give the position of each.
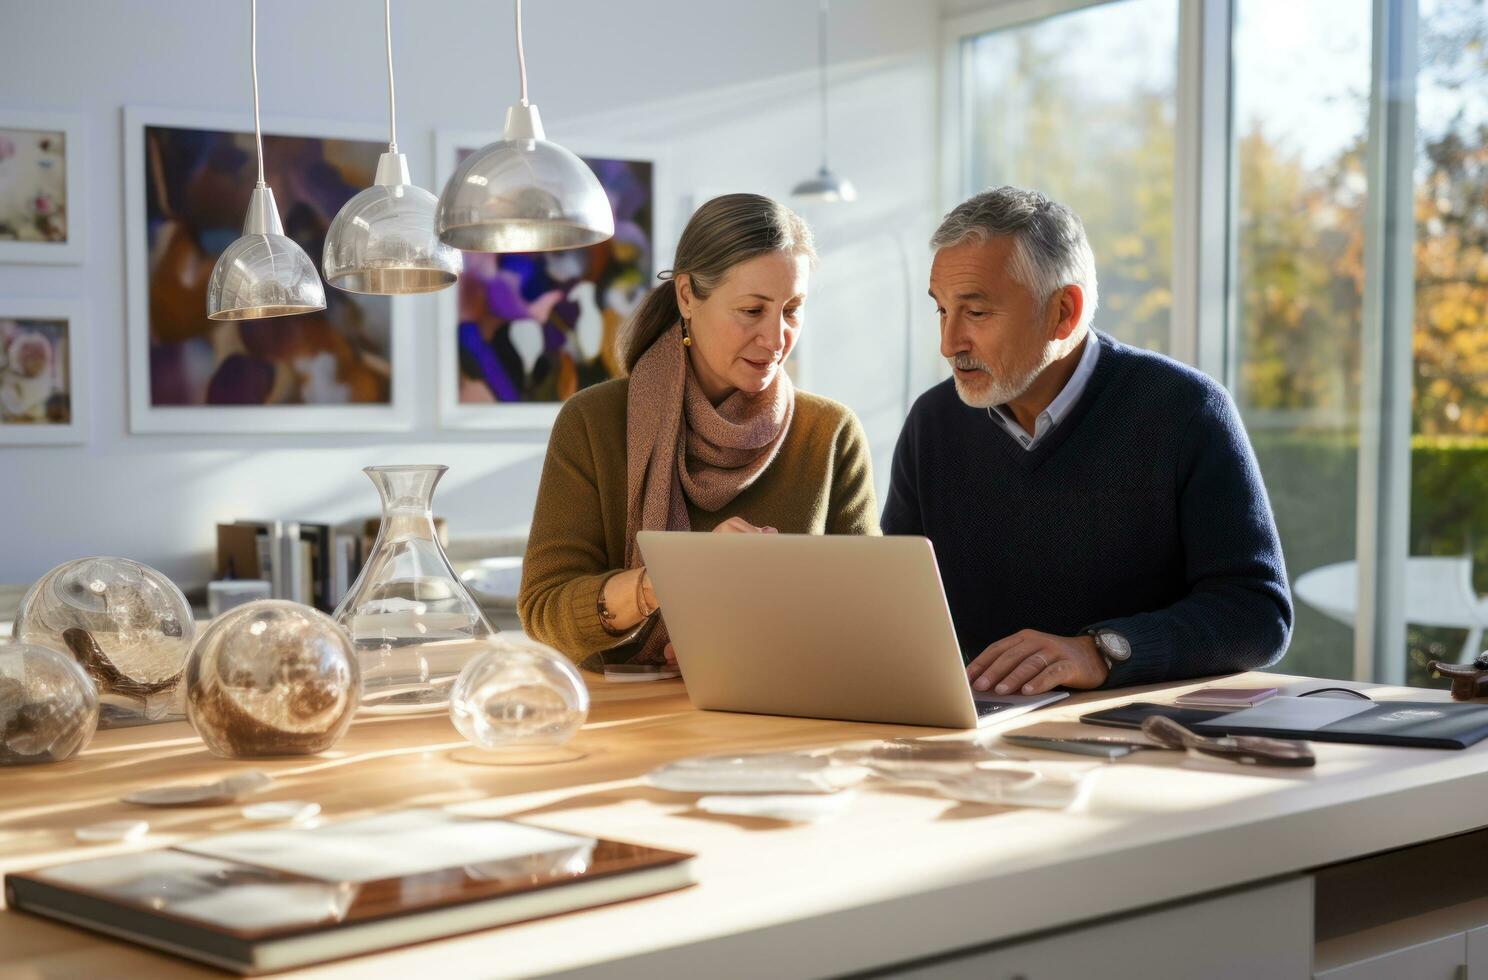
(846, 627)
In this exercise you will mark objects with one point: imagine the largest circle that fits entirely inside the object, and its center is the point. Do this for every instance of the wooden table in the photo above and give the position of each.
(903, 875)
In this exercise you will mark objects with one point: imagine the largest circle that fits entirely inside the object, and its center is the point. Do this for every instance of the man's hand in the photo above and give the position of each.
(1030, 662)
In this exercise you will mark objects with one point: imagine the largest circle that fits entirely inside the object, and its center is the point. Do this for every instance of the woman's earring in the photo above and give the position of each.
(686, 335)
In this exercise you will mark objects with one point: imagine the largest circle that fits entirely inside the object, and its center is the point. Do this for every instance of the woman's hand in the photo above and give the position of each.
(628, 596)
(738, 525)
(647, 592)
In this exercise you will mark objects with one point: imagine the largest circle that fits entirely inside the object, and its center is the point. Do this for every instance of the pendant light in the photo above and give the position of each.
(263, 273)
(523, 193)
(825, 185)
(383, 240)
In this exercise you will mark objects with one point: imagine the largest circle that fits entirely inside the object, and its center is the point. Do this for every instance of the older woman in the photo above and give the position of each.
(706, 434)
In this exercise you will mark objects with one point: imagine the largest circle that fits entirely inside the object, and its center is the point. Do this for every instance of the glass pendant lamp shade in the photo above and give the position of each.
(523, 193)
(383, 240)
(825, 186)
(263, 273)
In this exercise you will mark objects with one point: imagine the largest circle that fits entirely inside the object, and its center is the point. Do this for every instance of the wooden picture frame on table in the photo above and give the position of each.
(43, 186)
(188, 174)
(43, 372)
(491, 376)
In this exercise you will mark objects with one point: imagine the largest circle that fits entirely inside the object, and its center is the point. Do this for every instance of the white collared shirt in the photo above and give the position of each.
(1060, 406)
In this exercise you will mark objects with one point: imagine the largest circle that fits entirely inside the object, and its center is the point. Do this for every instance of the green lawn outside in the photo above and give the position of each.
(1311, 479)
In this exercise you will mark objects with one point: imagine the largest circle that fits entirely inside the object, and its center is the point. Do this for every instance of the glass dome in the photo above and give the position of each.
(271, 677)
(48, 707)
(518, 694)
(383, 240)
(523, 194)
(126, 624)
(263, 273)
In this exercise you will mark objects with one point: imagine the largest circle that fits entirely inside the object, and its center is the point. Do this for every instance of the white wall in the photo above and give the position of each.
(727, 86)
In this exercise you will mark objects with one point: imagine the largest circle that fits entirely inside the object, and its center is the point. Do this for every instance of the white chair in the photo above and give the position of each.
(1438, 592)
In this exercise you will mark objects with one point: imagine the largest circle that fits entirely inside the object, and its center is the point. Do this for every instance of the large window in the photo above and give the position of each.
(1299, 129)
(1309, 213)
(1447, 572)
(1081, 106)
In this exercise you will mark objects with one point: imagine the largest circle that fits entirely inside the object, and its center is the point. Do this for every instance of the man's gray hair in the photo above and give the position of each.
(1050, 250)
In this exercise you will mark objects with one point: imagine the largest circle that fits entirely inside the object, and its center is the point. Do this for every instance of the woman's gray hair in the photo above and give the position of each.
(1050, 250)
(721, 234)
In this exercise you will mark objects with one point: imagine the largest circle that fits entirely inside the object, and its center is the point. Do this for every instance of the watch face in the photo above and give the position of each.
(1115, 645)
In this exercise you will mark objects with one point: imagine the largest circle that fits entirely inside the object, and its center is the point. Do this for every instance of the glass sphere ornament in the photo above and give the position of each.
(272, 677)
(126, 624)
(519, 701)
(413, 622)
(48, 706)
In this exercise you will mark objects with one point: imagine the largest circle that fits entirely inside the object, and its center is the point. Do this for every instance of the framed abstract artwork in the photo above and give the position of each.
(42, 176)
(520, 333)
(43, 392)
(347, 368)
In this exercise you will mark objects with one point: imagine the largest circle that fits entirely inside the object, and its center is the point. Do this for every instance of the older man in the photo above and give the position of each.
(1096, 510)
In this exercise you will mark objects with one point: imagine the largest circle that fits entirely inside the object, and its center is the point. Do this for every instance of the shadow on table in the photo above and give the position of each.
(684, 804)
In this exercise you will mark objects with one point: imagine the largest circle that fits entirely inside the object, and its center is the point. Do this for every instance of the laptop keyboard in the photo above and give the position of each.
(985, 708)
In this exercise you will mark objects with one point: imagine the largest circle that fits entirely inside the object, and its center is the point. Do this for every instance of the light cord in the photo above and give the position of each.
(521, 55)
(253, 58)
(821, 50)
(387, 20)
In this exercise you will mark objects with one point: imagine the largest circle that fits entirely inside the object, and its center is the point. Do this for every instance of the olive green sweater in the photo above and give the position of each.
(821, 482)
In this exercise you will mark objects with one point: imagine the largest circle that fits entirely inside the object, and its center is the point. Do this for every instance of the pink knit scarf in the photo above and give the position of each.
(680, 448)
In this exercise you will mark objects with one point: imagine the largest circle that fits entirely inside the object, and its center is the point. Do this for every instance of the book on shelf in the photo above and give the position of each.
(269, 900)
(239, 554)
(309, 562)
(315, 564)
(267, 536)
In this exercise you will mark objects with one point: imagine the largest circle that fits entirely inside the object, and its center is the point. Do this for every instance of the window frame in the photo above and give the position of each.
(1204, 313)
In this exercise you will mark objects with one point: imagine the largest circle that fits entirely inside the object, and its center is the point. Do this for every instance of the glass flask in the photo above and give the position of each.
(48, 707)
(127, 625)
(518, 694)
(271, 677)
(411, 619)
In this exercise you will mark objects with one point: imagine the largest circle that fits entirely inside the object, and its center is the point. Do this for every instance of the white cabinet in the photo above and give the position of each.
(1264, 931)
(1440, 959)
(1477, 953)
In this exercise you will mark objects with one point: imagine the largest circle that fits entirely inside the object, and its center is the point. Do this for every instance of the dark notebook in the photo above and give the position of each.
(263, 901)
(1418, 724)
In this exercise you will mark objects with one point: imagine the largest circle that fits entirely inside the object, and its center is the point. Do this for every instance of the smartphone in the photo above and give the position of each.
(629, 673)
(1225, 697)
(1093, 745)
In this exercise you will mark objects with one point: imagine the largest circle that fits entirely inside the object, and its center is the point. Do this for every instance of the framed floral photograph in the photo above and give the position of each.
(42, 176)
(43, 393)
(188, 176)
(520, 333)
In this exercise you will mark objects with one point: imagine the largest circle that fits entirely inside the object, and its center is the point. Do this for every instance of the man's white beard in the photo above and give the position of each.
(993, 391)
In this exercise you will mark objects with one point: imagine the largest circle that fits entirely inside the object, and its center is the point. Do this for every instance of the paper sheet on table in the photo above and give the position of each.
(391, 845)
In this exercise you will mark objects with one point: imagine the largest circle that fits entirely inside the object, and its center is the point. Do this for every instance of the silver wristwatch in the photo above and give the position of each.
(1111, 645)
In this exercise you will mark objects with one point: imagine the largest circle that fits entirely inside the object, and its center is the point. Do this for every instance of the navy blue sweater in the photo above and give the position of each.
(1143, 510)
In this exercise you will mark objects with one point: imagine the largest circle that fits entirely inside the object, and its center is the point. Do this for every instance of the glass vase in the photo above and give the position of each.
(412, 621)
